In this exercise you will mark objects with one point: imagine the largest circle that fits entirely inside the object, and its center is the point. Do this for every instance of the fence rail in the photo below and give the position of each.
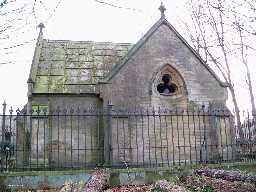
(43, 139)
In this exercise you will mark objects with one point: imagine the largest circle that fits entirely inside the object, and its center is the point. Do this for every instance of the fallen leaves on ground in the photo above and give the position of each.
(196, 182)
(228, 175)
(158, 186)
(200, 184)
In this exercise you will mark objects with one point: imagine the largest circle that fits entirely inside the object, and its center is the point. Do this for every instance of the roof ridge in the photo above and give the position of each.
(74, 41)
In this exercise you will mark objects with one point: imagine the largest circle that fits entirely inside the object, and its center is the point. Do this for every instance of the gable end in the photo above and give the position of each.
(144, 39)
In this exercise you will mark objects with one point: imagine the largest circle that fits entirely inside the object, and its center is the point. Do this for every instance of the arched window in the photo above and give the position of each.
(169, 82)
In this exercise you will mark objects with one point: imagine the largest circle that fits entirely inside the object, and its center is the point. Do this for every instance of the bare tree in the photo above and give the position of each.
(212, 39)
(248, 16)
(18, 20)
(243, 47)
(13, 23)
(245, 26)
(222, 35)
(3, 3)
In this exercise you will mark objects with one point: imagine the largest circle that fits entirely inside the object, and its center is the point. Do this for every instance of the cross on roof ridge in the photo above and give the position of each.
(162, 10)
(41, 26)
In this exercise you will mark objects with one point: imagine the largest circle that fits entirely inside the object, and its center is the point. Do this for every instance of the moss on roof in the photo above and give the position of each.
(75, 66)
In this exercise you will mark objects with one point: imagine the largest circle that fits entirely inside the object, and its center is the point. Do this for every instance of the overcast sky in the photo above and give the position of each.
(86, 20)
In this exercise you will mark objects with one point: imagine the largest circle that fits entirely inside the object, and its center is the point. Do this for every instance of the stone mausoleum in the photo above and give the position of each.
(160, 70)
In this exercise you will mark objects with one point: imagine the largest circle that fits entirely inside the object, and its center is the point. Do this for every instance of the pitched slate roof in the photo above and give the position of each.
(61, 66)
(142, 41)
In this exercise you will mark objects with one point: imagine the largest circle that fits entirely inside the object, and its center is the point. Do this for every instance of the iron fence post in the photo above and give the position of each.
(206, 134)
(108, 156)
(3, 121)
(29, 120)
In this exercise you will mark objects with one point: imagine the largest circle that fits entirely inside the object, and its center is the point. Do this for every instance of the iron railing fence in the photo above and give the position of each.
(43, 139)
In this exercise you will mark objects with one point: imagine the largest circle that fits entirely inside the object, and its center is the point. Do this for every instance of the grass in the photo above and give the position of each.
(247, 167)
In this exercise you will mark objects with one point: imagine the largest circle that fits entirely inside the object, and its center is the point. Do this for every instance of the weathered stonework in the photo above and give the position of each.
(69, 74)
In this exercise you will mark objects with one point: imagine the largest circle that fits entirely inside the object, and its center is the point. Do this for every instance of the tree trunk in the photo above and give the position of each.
(250, 91)
(244, 55)
(237, 112)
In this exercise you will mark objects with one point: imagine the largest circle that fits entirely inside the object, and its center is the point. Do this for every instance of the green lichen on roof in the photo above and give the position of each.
(75, 66)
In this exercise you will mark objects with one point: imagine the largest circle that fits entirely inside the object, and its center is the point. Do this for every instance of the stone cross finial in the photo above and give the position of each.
(41, 26)
(162, 10)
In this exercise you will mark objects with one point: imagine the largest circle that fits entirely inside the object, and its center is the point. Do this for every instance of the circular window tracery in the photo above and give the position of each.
(166, 87)
(169, 82)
